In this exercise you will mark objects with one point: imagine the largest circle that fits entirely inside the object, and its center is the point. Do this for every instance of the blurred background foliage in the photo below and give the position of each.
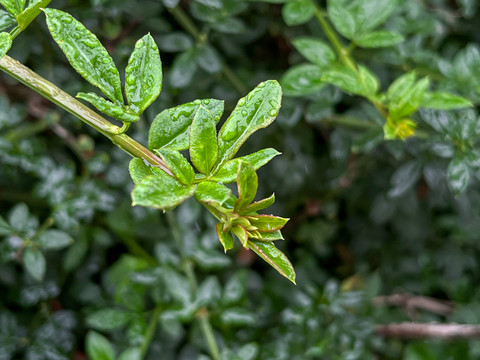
(368, 217)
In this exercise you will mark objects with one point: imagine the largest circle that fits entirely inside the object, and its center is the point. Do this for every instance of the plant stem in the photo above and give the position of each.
(184, 20)
(152, 326)
(79, 110)
(202, 314)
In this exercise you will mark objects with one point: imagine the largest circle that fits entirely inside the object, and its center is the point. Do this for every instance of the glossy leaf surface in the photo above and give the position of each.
(274, 257)
(171, 128)
(253, 112)
(6, 20)
(139, 170)
(209, 191)
(228, 173)
(203, 141)
(5, 43)
(161, 191)
(31, 12)
(458, 174)
(14, 7)
(379, 39)
(303, 79)
(108, 108)
(226, 238)
(54, 239)
(315, 51)
(143, 75)
(297, 12)
(444, 101)
(85, 53)
(98, 347)
(267, 223)
(258, 205)
(247, 184)
(35, 263)
(180, 167)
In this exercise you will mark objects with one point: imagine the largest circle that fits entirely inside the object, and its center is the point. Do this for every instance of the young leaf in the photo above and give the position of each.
(270, 236)
(143, 75)
(139, 170)
(54, 240)
(35, 263)
(98, 347)
(31, 12)
(108, 108)
(400, 87)
(209, 191)
(368, 80)
(161, 191)
(180, 167)
(303, 79)
(14, 7)
(410, 101)
(6, 20)
(379, 39)
(241, 234)
(225, 238)
(203, 141)
(5, 43)
(247, 184)
(228, 173)
(444, 101)
(277, 259)
(85, 53)
(297, 12)
(171, 128)
(267, 223)
(315, 51)
(253, 112)
(257, 206)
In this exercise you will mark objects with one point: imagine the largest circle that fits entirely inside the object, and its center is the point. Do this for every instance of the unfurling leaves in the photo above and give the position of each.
(247, 184)
(108, 108)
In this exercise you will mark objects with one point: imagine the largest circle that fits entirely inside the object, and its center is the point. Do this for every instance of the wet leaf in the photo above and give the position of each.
(34, 263)
(444, 101)
(139, 170)
(54, 240)
(208, 59)
(175, 42)
(5, 43)
(31, 12)
(161, 191)
(108, 108)
(209, 191)
(228, 173)
(14, 7)
(297, 12)
(405, 95)
(6, 21)
(247, 184)
(257, 206)
(315, 51)
(241, 233)
(98, 347)
(108, 319)
(225, 238)
(379, 39)
(341, 18)
(277, 259)
(203, 141)
(179, 166)
(303, 79)
(183, 69)
(143, 75)
(85, 53)
(267, 223)
(253, 112)
(171, 128)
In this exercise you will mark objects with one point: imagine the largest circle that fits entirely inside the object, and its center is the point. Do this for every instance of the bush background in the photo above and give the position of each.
(368, 217)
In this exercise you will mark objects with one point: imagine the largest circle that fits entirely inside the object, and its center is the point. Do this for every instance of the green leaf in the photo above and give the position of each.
(225, 238)
(302, 79)
(253, 112)
(175, 42)
(171, 128)
(139, 170)
(369, 81)
(458, 174)
(269, 236)
(131, 354)
(247, 184)
(341, 18)
(277, 259)
(14, 7)
(315, 51)
(180, 167)
(397, 90)
(444, 101)
(203, 141)
(6, 20)
(297, 12)
(108, 319)
(237, 316)
(19, 217)
(143, 75)
(31, 12)
(109, 108)
(5, 229)
(85, 53)
(5, 43)
(208, 59)
(183, 69)
(54, 240)
(35, 263)
(241, 233)
(407, 99)
(346, 79)
(228, 173)
(98, 347)
(379, 39)
(209, 191)
(161, 191)
(257, 206)
(267, 223)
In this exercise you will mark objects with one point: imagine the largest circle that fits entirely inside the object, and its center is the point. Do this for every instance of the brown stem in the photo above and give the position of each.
(411, 330)
(411, 302)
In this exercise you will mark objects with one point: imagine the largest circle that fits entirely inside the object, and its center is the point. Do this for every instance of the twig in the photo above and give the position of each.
(411, 330)
(411, 303)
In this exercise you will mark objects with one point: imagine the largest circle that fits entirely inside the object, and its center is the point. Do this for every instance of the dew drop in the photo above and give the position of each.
(273, 113)
(261, 85)
(241, 102)
(197, 102)
(206, 101)
(244, 112)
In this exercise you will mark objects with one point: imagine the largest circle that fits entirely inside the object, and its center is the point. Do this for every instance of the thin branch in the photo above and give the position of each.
(411, 302)
(411, 330)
